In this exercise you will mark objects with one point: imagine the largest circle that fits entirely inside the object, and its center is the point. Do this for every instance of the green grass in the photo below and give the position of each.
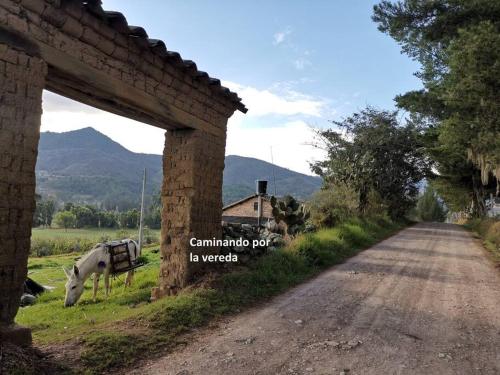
(112, 332)
(51, 322)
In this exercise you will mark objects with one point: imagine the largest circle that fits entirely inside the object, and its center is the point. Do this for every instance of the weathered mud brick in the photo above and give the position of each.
(20, 120)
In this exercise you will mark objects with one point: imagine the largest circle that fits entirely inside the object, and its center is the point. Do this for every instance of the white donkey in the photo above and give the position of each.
(97, 261)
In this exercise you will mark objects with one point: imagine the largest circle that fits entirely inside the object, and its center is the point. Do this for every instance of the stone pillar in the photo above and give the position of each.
(22, 78)
(193, 162)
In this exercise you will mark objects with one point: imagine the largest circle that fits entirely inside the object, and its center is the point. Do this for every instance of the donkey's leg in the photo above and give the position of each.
(106, 283)
(96, 285)
(128, 279)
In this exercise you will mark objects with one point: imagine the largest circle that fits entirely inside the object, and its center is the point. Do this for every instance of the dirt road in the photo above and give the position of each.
(425, 301)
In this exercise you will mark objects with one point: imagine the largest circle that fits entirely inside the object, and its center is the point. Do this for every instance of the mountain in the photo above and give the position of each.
(241, 172)
(87, 166)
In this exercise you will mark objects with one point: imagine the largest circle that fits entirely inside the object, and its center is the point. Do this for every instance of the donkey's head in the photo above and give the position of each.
(74, 286)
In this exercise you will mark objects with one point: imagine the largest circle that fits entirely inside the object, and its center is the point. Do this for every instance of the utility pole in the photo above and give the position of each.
(141, 220)
(274, 174)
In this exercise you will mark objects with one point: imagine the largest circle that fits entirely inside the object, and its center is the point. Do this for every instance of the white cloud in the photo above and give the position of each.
(264, 102)
(290, 143)
(301, 63)
(280, 36)
(61, 114)
(56, 103)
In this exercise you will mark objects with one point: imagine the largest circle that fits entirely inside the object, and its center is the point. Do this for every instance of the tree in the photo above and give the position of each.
(458, 44)
(129, 219)
(429, 207)
(65, 219)
(372, 152)
(153, 216)
(86, 216)
(472, 91)
(425, 29)
(107, 219)
(47, 212)
(44, 212)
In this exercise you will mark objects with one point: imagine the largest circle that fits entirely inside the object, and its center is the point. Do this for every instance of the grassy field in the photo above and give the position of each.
(111, 332)
(51, 241)
(95, 234)
(51, 322)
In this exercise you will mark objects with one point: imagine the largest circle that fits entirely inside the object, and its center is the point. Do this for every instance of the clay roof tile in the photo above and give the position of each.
(119, 23)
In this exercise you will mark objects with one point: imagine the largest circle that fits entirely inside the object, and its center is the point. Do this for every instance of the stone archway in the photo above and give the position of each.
(76, 49)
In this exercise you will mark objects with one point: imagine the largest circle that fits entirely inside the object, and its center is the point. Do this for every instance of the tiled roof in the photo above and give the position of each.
(118, 22)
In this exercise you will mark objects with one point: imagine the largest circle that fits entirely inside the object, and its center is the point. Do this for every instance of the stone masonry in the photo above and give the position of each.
(78, 50)
(22, 78)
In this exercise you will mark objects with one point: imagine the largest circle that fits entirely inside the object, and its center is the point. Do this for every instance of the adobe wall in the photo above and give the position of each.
(247, 209)
(193, 163)
(22, 78)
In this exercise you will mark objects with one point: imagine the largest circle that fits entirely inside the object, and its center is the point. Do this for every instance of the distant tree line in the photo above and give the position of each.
(74, 215)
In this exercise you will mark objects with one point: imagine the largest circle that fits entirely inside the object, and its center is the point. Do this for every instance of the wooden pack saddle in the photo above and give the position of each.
(120, 257)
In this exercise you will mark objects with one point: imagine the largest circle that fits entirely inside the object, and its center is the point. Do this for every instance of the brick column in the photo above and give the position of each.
(193, 162)
(22, 78)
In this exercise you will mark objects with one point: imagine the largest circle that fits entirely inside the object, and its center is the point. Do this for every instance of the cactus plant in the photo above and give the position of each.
(291, 212)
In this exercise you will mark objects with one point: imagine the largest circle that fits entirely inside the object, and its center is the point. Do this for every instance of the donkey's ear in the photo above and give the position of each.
(66, 272)
(76, 271)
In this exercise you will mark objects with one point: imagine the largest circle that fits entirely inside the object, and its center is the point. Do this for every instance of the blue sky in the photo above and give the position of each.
(295, 63)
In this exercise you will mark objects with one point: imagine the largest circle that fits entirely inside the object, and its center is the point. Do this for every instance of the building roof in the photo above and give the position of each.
(264, 197)
(119, 23)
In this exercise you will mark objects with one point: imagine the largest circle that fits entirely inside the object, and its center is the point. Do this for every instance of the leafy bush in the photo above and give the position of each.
(333, 205)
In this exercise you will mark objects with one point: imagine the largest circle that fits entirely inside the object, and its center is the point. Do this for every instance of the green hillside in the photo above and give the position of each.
(87, 166)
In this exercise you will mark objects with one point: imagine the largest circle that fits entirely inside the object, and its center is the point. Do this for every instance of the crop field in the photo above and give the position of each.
(96, 234)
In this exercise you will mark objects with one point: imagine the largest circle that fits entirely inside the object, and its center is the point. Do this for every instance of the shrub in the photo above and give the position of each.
(319, 250)
(333, 205)
(355, 234)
